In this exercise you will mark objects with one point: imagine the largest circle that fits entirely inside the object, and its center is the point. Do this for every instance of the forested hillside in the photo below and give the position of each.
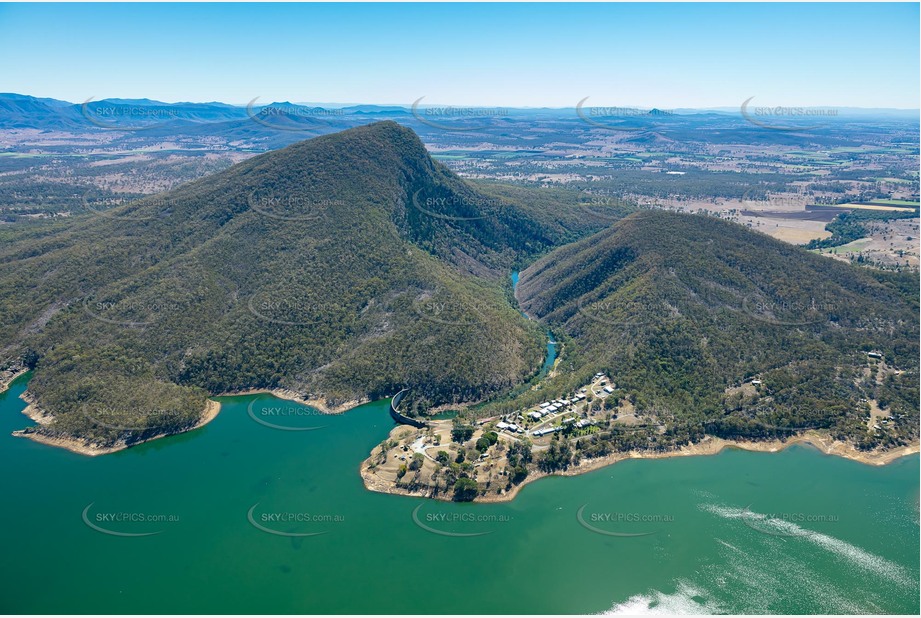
(712, 328)
(349, 266)
(341, 267)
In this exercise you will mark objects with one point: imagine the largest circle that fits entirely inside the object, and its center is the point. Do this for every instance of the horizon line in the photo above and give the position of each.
(409, 106)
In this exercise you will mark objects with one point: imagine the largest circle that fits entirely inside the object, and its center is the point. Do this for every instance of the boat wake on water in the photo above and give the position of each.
(688, 599)
(850, 554)
(770, 565)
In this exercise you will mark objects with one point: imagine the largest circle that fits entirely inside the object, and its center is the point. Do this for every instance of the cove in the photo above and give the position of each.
(792, 532)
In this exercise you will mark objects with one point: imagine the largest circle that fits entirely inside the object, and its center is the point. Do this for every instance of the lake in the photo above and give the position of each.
(243, 517)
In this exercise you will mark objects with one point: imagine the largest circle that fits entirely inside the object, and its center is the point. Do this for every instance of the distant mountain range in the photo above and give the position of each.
(19, 111)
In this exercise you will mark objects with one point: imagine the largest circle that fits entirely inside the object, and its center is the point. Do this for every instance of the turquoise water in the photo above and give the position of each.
(552, 345)
(700, 550)
(550, 358)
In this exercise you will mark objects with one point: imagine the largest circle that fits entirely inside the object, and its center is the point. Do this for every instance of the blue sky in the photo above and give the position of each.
(652, 55)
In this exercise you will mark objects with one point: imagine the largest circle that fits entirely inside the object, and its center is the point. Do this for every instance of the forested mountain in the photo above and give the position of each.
(340, 267)
(713, 328)
(351, 265)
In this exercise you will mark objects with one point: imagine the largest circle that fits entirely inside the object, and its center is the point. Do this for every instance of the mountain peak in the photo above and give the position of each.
(349, 254)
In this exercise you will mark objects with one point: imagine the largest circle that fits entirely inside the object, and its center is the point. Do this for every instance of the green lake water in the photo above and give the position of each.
(792, 532)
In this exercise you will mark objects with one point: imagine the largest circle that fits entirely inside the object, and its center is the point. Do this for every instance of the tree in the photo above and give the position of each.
(557, 457)
(519, 453)
(461, 433)
(465, 490)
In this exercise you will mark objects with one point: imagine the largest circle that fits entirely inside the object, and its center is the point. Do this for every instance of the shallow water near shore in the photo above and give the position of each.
(226, 511)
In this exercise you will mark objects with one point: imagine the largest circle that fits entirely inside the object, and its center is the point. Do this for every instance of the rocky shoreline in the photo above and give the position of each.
(709, 446)
(81, 447)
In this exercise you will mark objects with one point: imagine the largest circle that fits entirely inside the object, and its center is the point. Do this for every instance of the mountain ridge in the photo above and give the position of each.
(309, 268)
(683, 311)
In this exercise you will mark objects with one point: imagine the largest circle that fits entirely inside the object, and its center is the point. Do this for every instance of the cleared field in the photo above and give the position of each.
(899, 181)
(791, 230)
(897, 202)
(889, 243)
(804, 215)
(852, 247)
(874, 206)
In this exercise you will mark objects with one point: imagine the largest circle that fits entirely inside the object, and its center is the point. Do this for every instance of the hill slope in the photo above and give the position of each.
(684, 311)
(338, 267)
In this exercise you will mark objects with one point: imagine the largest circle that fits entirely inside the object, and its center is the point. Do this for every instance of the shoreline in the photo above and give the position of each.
(39, 416)
(321, 405)
(708, 446)
(212, 409)
(6, 382)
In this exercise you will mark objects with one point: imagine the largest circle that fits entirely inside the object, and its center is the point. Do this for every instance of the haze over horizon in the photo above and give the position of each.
(588, 104)
(488, 55)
